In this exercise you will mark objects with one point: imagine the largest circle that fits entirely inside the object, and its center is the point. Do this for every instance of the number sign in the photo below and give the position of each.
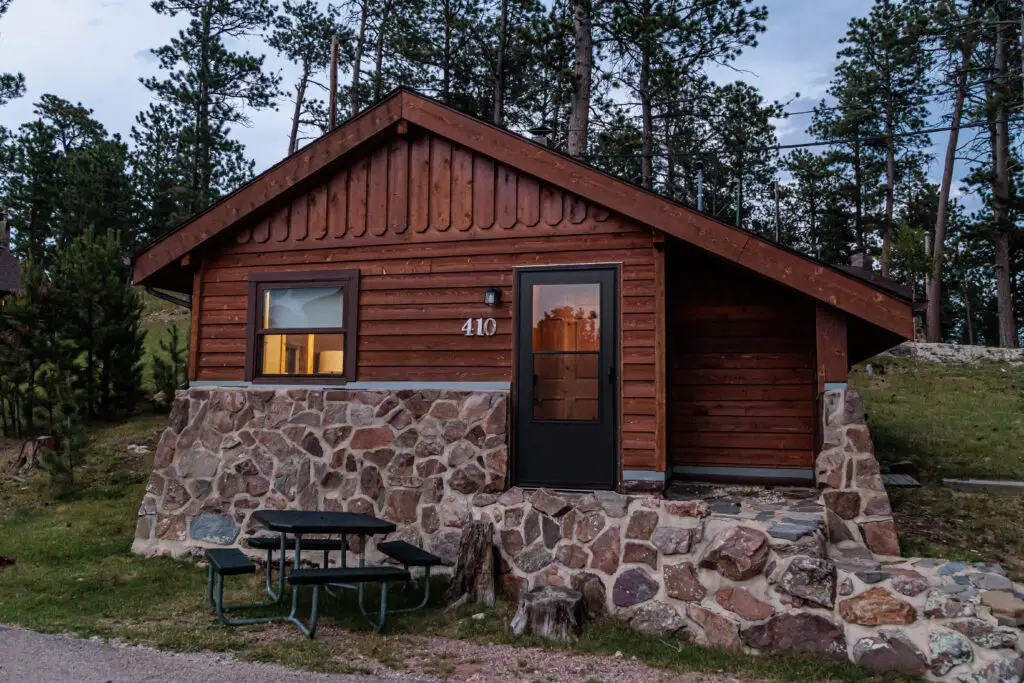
(480, 327)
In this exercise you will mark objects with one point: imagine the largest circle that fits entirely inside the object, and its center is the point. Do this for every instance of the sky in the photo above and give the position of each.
(95, 51)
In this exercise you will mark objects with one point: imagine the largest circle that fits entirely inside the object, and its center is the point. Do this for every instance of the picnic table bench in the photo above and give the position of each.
(294, 523)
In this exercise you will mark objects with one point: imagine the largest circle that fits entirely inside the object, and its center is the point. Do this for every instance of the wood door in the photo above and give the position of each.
(566, 385)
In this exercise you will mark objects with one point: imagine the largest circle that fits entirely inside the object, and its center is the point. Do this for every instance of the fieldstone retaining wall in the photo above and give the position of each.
(758, 574)
(857, 507)
(955, 353)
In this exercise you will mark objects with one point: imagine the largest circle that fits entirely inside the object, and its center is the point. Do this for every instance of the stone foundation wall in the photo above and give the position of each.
(754, 575)
(857, 507)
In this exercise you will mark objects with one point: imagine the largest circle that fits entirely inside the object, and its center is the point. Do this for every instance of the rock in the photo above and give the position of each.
(889, 651)
(908, 582)
(640, 553)
(371, 437)
(670, 540)
(550, 531)
(999, 671)
(402, 504)
(838, 530)
(514, 496)
(370, 482)
(468, 479)
(948, 649)
(877, 607)
(594, 594)
(605, 551)
(990, 582)
(738, 553)
(613, 504)
(549, 502)
(845, 587)
(482, 500)
(717, 630)
(846, 504)
(948, 602)
(1005, 607)
(589, 526)
(446, 546)
(642, 524)
(455, 512)
(430, 521)
(881, 537)
(531, 527)
(552, 612)
(811, 546)
(984, 634)
(571, 555)
(633, 587)
(810, 579)
(688, 508)
(217, 529)
(534, 558)
(791, 532)
(739, 601)
(877, 504)
(656, 619)
(512, 542)
(798, 632)
(682, 583)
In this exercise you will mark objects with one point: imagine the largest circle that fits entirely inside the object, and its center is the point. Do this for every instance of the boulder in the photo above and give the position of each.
(798, 632)
(846, 504)
(671, 540)
(908, 582)
(656, 619)
(984, 634)
(682, 583)
(948, 649)
(949, 602)
(718, 631)
(216, 529)
(642, 524)
(738, 553)
(739, 601)
(810, 579)
(877, 607)
(881, 537)
(605, 551)
(633, 587)
(889, 651)
(549, 502)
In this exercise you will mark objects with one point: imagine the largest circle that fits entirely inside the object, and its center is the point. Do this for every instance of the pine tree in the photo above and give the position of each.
(303, 34)
(169, 366)
(12, 86)
(885, 64)
(208, 87)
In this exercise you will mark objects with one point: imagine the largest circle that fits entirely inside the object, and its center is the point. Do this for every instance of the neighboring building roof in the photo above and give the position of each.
(9, 272)
(869, 301)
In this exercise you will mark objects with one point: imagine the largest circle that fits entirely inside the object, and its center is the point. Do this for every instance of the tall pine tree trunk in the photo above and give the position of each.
(583, 68)
(357, 60)
(498, 115)
(201, 150)
(378, 76)
(446, 58)
(647, 119)
(934, 322)
(862, 239)
(300, 95)
(1001, 196)
(890, 190)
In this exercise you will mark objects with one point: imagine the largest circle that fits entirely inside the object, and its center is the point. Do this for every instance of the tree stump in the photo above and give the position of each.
(473, 581)
(553, 612)
(28, 458)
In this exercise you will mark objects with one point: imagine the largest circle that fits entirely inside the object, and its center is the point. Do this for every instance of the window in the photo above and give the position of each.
(302, 327)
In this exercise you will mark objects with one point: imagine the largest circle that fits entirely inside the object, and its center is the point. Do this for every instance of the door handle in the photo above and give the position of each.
(611, 374)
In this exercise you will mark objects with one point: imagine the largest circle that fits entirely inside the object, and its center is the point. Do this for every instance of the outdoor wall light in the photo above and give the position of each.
(492, 297)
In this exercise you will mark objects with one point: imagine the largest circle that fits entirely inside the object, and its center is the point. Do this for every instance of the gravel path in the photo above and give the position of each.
(29, 656)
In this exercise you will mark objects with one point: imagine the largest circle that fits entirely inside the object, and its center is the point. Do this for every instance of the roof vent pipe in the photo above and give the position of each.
(542, 135)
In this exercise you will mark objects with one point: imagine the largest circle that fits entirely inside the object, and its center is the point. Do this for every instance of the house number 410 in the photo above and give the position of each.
(480, 327)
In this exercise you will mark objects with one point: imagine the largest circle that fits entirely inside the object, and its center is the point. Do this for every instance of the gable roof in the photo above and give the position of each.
(865, 300)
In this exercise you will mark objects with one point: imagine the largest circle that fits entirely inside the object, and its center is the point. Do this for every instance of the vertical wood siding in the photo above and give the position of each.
(741, 354)
(431, 226)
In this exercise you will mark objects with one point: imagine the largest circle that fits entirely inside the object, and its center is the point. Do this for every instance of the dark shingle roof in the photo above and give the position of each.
(8, 271)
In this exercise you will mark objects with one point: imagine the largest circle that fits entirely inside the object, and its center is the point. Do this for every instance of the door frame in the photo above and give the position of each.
(616, 268)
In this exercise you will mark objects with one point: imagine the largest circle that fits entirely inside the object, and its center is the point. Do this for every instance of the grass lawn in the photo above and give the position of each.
(74, 572)
(952, 421)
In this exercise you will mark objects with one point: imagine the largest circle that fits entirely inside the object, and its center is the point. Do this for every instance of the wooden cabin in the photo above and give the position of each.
(416, 247)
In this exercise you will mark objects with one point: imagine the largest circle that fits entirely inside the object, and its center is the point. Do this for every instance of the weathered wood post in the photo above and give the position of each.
(473, 581)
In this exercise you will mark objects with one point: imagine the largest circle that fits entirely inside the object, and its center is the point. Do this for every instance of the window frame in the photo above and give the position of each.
(347, 280)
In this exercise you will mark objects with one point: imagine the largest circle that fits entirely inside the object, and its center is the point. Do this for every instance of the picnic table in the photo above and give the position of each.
(298, 523)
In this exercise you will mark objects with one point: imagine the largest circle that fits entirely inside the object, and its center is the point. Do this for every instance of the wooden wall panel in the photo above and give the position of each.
(431, 227)
(740, 367)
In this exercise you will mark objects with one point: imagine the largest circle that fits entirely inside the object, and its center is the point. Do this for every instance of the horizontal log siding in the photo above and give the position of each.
(424, 269)
(740, 361)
